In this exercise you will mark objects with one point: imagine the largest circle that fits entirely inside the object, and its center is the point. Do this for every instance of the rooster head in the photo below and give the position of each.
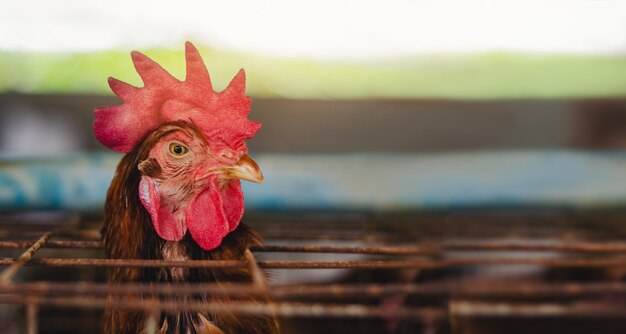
(193, 143)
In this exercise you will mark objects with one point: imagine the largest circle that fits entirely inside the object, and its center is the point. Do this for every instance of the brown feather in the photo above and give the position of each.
(128, 233)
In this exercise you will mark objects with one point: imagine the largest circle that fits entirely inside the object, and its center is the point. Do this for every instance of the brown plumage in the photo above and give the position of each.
(129, 233)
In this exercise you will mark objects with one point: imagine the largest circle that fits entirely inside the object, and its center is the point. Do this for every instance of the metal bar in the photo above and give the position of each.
(457, 308)
(455, 288)
(250, 308)
(61, 262)
(27, 255)
(93, 295)
(431, 249)
(433, 264)
(9, 272)
(32, 325)
(436, 249)
(88, 288)
(383, 250)
(388, 264)
(151, 325)
(54, 244)
(506, 309)
(258, 278)
(579, 247)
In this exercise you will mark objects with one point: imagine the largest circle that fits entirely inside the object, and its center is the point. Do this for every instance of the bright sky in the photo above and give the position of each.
(357, 29)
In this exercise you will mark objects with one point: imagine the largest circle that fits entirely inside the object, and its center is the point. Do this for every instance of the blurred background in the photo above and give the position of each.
(431, 121)
(343, 78)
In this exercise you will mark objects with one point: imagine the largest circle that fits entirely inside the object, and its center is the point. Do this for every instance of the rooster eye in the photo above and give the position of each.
(178, 149)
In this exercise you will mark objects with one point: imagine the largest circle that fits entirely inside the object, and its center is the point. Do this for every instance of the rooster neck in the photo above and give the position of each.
(175, 251)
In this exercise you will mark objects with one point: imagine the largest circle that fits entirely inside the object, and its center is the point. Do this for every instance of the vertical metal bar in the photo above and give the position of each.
(32, 312)
(258, 278)
(453, 316)
(151, 325)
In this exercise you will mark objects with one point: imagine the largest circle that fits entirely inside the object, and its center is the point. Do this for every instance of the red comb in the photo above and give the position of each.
(165, 99)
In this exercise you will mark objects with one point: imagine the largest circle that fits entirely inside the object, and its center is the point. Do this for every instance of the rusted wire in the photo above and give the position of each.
(9, 272)
(434, 264)
(507, 309)
(244, 308)
(27, 255)
(151, 324)
(258, 278)
(53, 244)
(32, 323)
(426, 250)
(468, 299)
(62, 262)
(578, 247)
(457, 308)
(378, 264)
(456, 289)
(381, 250)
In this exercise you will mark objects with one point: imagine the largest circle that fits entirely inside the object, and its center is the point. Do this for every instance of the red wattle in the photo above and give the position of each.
(213, 214)
(206, 221)
(232, 198)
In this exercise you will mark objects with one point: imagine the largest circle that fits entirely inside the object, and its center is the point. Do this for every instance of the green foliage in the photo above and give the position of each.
(472, 76)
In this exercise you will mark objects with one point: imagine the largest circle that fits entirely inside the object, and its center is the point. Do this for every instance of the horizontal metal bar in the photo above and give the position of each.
(455, 288)
(571, 247)
(438, 248)
(430, 249)
(61, 262)
(152, 288)
(53, 244)
(264, 248)
(241, 308)
(383, 250)
(471, 289)
(475, 309)
(433, 264)
(387, 264)
(458, 308)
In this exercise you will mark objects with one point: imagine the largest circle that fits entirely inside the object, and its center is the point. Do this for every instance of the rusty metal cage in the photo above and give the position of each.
(438, 272)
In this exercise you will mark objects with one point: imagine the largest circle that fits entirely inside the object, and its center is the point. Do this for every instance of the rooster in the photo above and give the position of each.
(176, 194)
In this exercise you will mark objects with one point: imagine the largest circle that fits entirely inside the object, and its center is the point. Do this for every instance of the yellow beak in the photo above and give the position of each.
(244, 169)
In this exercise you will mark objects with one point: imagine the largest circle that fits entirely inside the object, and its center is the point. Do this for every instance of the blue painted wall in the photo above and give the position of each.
(384, 182)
